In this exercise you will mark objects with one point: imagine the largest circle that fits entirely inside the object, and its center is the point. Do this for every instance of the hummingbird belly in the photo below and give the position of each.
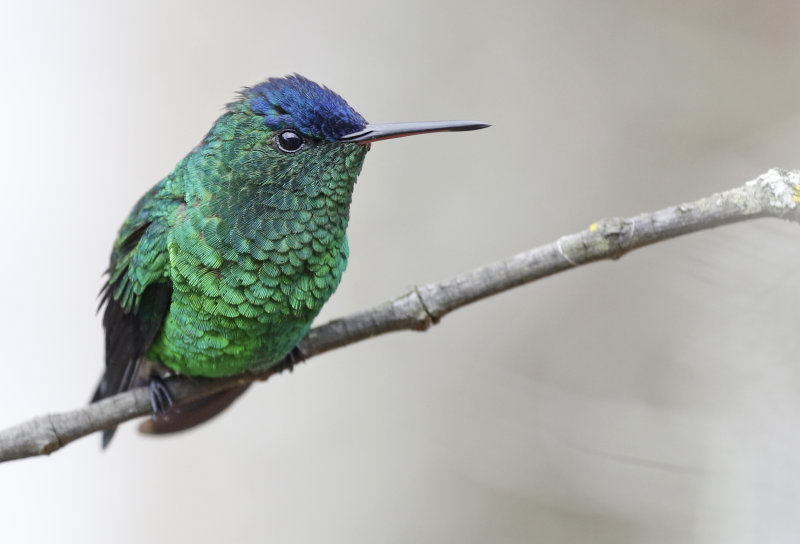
(246, 305)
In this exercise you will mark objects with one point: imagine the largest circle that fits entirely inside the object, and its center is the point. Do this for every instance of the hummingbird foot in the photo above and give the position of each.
(295, 356)
(160, 397)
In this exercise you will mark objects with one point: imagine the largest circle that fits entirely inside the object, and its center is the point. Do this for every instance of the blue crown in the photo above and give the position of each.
(297, 102)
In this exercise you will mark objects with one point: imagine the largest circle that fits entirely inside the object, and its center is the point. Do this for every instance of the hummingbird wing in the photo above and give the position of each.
(136, 296)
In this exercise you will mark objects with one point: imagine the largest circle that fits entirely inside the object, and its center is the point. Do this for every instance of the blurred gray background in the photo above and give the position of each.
(653, 399)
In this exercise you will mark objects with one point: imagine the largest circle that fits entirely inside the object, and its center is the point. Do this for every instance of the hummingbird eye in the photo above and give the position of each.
(289, 141)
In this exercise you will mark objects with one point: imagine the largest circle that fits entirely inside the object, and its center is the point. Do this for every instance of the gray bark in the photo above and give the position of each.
(773, 194)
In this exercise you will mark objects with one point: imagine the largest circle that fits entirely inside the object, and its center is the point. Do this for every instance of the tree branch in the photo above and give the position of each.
(774, 194)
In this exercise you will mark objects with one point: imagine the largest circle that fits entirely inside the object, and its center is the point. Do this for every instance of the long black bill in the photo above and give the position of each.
(373, 133)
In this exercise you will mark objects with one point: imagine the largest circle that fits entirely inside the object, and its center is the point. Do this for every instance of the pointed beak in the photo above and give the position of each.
(373, 133)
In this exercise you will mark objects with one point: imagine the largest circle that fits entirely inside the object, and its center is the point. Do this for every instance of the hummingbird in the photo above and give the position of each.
(222, 266)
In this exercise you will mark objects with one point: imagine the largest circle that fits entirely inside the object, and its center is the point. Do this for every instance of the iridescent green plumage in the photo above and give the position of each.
(255, 244)
(223, 265)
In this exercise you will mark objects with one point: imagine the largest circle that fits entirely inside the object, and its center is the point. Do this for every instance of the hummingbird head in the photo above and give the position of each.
(315, 140)
(298, 104)
(302, 124)
(298, 107)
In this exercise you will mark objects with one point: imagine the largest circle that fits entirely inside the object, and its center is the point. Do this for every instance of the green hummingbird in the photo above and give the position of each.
(223, 265)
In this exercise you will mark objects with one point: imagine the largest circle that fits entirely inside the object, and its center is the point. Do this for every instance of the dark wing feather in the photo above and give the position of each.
(132, 321)
(128, 336)
(137, 298)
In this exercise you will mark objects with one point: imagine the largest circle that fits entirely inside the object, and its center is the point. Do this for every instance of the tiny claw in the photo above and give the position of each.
(160, 397)
(292, 358)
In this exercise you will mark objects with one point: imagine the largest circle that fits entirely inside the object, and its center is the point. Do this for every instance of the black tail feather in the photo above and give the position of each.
(183, 416)
(128, 336)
